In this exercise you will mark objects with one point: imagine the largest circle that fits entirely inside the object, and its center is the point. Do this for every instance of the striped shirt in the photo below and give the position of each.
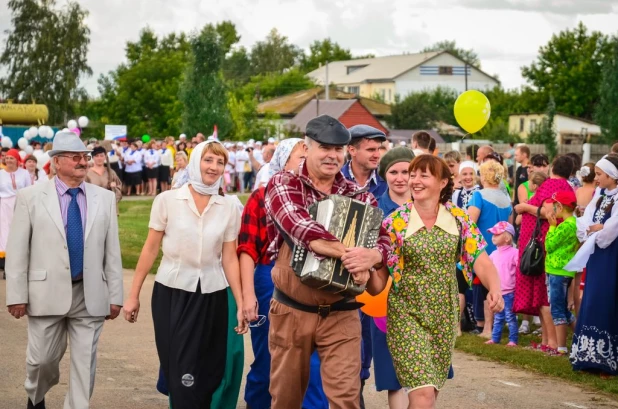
(65, 198)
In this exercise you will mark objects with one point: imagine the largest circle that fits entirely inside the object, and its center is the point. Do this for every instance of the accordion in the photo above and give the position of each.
(355, 224)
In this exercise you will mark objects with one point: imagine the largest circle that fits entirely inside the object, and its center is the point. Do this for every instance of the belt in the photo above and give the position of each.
(322, 310)
(77, 281)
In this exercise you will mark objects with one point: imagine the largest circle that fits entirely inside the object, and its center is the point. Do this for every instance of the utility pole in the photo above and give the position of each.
(466, 74)
(327, 87)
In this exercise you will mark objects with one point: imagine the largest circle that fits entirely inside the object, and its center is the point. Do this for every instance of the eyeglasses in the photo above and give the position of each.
(78, 158)
(259, 322)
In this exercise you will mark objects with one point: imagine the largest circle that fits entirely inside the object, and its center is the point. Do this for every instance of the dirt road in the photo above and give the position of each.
(127, 370)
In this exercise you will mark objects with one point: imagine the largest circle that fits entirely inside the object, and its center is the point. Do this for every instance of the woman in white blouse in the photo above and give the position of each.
(197, 226)
(36, 175)
(12, 178)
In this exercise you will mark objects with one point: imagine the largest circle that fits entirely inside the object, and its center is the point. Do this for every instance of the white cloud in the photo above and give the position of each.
(505, 33)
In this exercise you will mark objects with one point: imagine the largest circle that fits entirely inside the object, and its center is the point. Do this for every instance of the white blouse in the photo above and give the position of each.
(609, 233)
(22, 180)
(166, 157)
(193, 243)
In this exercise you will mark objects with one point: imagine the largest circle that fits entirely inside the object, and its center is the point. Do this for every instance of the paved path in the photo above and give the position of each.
(128, 368)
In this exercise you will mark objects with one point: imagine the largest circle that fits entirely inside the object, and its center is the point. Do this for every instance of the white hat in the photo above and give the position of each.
(67, 141)
(240, 144)
(271, 140)
(259, 143)
(183, 136)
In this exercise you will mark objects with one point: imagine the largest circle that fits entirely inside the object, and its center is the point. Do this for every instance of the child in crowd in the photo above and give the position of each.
(505, 259)
(561, 244)
(535, 180)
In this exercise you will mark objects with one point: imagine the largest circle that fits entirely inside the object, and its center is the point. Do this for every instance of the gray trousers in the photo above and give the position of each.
(47, 342)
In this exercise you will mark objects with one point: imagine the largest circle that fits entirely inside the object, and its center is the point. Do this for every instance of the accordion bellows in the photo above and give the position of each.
(355, 224)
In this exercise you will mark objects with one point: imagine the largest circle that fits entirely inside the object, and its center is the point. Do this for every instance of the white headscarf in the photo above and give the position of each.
(282, 155)
(608, 167)
(467, 164)
(195, 174)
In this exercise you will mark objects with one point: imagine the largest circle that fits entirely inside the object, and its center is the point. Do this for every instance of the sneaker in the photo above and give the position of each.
(538, 331)
(511, 345)
(524, 329)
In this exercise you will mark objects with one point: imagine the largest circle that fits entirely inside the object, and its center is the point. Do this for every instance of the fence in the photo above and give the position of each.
(588, 152)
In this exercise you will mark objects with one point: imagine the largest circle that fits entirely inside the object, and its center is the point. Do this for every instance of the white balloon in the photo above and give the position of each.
(83, 121)
(64, 130)
(22, 143)
(6, 142)
(27, 134)
(29, 149)
(49, 132)
(72, 124)
(33, 131)
(22, 155)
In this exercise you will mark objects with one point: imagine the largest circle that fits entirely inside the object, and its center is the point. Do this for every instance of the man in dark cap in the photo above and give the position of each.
(302, 318)
(364, 151)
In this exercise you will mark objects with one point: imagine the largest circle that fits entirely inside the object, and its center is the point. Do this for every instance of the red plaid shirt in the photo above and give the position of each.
(288, 197)
(253, 237)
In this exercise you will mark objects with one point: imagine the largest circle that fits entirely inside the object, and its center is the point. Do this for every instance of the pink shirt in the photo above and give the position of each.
(505, 260)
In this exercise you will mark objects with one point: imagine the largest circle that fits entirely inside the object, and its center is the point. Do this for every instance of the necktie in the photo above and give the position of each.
(75, 236)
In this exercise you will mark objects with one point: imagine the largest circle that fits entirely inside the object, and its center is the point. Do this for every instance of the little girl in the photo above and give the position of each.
(505, 259)
(535, 180)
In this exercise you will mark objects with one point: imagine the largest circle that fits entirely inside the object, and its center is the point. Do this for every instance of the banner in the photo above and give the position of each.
(115, 132)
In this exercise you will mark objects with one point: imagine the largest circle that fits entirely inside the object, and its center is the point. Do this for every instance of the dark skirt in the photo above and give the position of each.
(164, 174)
(133, 178)
(116, 168)
(152, 173)
(191, 332)
(595, 341)
(144, 174)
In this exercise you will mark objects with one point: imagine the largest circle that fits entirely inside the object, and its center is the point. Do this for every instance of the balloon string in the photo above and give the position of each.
(464, 137)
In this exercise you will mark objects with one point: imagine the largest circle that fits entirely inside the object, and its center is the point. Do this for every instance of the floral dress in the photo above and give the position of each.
(423, 308)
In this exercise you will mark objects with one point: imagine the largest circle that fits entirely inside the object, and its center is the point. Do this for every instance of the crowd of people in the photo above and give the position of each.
(448, 254)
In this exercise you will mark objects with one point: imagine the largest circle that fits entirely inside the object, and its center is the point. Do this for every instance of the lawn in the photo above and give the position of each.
(133, 226)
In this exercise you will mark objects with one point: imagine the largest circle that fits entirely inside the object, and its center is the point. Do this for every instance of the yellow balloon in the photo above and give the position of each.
(472, 110)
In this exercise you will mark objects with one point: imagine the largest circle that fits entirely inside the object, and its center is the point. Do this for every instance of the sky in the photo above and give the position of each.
(506, 34)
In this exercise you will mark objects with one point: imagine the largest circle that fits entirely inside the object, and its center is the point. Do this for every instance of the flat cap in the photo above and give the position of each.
(395, 155)
(367, 132)
(327, 130)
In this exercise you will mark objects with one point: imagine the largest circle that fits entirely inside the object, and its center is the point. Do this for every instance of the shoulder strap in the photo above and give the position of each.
(537, 228)
(285, 236)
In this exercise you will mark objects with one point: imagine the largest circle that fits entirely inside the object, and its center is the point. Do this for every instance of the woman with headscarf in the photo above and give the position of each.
(190, 300)
(257, 285)
(595, 341)
(102, 175)
(12, 178)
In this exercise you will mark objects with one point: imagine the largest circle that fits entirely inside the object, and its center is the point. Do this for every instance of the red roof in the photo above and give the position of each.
(348, 112)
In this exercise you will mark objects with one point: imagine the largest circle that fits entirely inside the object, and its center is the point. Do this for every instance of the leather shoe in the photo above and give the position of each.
(40, 405)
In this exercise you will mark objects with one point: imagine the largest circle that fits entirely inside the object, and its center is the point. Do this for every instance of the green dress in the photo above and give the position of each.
(423, 304)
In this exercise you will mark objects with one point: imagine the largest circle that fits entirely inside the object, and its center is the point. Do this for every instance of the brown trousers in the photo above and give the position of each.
(294, 335)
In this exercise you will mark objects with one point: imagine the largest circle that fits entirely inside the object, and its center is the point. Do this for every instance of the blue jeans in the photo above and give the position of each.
(511, 320)
(559, 299)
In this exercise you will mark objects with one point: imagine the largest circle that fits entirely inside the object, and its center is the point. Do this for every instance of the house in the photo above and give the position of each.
(349, 112)
(288, 106)
(403, 74)
(569, 129)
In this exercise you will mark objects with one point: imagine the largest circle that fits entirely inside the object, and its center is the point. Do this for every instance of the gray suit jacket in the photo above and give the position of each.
(37, 256)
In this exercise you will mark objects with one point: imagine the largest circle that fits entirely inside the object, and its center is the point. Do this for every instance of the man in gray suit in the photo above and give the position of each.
(64, 271)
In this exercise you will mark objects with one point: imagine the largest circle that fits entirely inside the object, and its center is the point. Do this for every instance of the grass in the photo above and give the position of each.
(133, 229)
(133, 226)
(532, 360)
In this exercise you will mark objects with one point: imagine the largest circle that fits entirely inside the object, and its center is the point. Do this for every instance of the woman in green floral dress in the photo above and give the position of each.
(430, 235)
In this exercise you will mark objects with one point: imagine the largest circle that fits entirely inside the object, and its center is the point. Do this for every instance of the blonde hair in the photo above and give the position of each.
(537, 178)
(492, 172)
(182, 155)
(452, 156)
(216, 149)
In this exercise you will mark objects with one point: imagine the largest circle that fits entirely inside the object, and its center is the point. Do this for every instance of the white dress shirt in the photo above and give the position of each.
(193, 243)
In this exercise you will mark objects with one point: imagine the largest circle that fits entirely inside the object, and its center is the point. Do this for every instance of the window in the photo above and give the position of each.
(445, 70)
(532, 125)
(354, 90)
(521, 124)
(383, 94)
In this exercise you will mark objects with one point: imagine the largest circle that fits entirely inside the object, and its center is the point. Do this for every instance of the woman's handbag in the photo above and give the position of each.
(533, 259)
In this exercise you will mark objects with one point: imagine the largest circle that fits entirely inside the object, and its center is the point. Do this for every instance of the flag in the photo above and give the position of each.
(214, 134)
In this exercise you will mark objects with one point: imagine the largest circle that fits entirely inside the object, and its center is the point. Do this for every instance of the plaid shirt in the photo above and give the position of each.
(289, 196)
(253, 237)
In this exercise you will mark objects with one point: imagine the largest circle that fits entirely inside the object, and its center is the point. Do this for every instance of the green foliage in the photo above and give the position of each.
(422, 110)
(274, 55)
(497, 130)
(204, 93)
(606, 113)
(237, 67)
(569, 68)
(470, 56)
(45, 55)
(321, 52)
(545, 133)
(272, 85)
(143, 94)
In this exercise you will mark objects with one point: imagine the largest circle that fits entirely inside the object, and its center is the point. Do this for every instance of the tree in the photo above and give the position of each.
(606, 113)
(203, 93)
(274, 55)
(143, 94)
(569, 68)
(45, 55)
(321, 52)
(470, 56)
(422, 110)
(268, 86)
(237, 67)
(497, 130)
(545, 133)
